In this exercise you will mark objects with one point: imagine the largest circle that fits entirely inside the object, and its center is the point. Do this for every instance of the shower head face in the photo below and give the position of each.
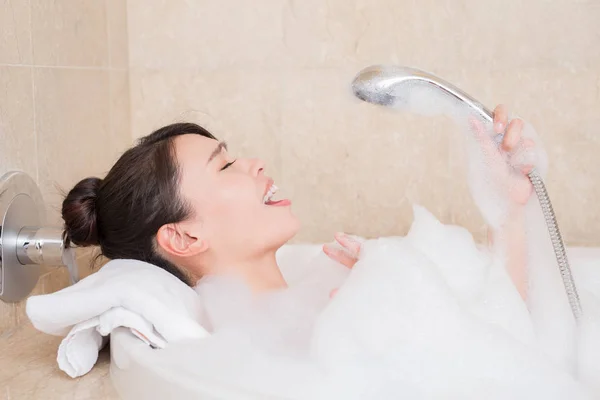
(414, 90)
(379, 84)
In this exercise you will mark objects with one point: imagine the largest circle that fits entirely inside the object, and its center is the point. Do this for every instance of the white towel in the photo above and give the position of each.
(155, 305)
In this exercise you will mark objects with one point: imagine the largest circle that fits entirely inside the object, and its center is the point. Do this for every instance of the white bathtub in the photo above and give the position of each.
(138, 372)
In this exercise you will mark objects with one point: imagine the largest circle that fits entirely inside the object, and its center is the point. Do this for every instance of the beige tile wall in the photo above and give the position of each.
(274, 81)
(64, 101)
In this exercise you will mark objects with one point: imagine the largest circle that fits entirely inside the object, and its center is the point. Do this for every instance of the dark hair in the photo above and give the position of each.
(123, 212)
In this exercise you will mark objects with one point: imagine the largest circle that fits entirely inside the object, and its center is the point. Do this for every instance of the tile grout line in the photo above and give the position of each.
(35, 132)
(152, 68)
(110, 86)
(128, 74)
(12, 12)
(108, 36)
(64, 67)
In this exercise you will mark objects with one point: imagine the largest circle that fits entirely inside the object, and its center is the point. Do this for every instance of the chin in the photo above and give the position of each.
(290, 228)
(296, 225)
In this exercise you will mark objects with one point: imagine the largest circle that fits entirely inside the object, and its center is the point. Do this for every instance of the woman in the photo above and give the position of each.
(179, 201)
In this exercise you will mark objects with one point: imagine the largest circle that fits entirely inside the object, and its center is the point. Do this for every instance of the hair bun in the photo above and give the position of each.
(79, 213)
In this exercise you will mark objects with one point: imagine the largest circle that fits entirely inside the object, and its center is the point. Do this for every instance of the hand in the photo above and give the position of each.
(503, 159)
(348, 255)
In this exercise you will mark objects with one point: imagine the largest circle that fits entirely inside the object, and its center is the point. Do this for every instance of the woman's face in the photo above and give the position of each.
(227, 198)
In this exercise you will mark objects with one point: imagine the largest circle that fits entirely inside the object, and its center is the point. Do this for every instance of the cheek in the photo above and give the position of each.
(234, 199)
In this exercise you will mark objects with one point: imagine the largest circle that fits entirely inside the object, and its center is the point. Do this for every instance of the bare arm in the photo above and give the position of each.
(514, 243)
(513, 239)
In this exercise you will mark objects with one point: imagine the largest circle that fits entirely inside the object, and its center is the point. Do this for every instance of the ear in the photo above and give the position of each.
(174, 240)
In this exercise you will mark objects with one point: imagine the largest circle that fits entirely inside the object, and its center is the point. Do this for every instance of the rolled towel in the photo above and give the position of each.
(154, 304)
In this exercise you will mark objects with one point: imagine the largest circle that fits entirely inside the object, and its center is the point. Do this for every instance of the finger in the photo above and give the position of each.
(348, 243)
(478, 129)
(500, 118)
(526, 169)
(524, 155)
(339, 255)
(513, 134)
(486, 143)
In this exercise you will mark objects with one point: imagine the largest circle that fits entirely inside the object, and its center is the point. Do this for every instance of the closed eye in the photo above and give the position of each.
(228, 165)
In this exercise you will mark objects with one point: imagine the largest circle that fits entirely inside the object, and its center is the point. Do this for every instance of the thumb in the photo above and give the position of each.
(487, 144)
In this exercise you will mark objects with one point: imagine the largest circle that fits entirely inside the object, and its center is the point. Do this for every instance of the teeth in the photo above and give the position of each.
(270, 193)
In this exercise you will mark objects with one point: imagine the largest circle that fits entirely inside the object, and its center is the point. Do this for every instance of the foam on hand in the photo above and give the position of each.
(556, 331)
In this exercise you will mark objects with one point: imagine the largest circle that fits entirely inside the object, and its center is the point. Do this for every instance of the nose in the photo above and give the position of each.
(256, 166)
(259, 166)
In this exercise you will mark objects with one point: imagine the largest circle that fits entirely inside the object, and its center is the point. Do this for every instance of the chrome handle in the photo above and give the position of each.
(45, 245)
(40, 246)
(25, 243)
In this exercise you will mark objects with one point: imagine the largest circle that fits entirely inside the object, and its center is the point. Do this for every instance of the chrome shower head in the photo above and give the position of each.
(388, 86)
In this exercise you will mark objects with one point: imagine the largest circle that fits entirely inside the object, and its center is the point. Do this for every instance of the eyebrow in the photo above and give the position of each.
(217, 151)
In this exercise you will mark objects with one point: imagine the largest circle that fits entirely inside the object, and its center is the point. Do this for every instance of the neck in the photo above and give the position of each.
(260, 273)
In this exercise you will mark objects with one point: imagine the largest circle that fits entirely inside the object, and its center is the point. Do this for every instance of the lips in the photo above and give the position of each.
(267, 187)
(269, 192)
(279, 203)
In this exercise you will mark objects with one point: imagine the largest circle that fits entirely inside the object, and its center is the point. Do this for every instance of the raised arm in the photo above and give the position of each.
(519, 190)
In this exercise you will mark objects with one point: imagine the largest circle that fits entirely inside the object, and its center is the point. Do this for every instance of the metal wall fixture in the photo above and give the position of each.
(25, 243)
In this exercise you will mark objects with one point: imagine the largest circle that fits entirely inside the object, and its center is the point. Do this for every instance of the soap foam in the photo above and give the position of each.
(432, 315)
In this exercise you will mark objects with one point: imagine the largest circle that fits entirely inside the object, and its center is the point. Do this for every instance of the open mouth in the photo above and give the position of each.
(268, 197)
